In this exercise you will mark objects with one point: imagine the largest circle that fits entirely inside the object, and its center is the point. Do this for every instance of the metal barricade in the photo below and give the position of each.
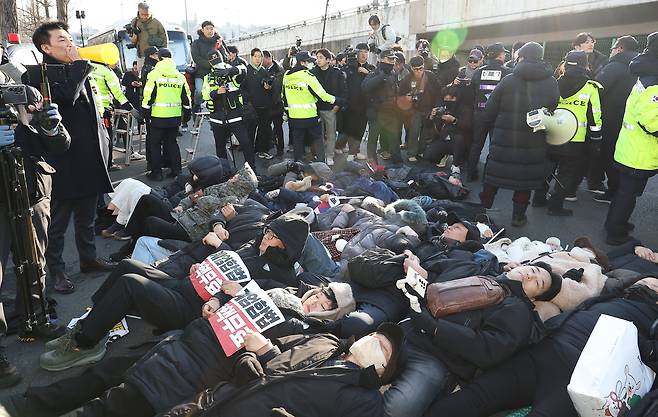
(132, 129)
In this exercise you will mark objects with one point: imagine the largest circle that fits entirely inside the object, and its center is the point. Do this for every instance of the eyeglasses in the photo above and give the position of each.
(473, 61)
(268, 234)
(418, 68)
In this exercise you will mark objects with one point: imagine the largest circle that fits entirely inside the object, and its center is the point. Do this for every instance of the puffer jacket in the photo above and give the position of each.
(201, 48)
(195, 217)
(377, 234)
(517, 156)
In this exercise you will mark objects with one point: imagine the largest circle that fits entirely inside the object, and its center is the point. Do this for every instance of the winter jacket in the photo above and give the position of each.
(381, 89)
(247, 225)
(447, 72)
(517, 156)
(624, 257)
(356, 99)
(149, 64)
(596, 61)
(427, 94)
(617, 82)
(481, 339)
(152, 34)
(196, 216)
(377, 234)
(201, 48)
(253, 90)
(333, 81)
(82, 170)
(482, 87)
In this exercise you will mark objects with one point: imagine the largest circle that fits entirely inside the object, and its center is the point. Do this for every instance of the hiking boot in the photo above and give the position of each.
(44, 331)
(8, 374)
(63, 339)
(559, 211)
(519, 220)
(69, 355)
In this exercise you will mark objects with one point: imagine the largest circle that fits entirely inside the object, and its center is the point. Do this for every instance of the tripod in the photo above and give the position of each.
(13, 186)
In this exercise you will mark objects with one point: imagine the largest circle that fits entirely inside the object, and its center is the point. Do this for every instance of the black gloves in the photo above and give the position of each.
(574, 274)
(595, 141)
(340, 102)
(146, 114)
(247, 369)
(232, 71)
(423, 322)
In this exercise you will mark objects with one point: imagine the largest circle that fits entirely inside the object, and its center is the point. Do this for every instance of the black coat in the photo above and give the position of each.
(517, 156)
(624, 257)
(617, 82)
(481, 88)
(381, 88)
(133, 94)
(82, 170)
(480, 339)
(355, 97)
(200, 49)
(446, 72)
(253, 89)
(333, 81)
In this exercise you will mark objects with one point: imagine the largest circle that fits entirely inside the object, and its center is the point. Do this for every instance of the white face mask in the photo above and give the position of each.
(188, 188)
(367, 351)
(309, 65)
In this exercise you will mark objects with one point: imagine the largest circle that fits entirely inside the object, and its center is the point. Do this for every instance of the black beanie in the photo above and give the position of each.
(556, 282)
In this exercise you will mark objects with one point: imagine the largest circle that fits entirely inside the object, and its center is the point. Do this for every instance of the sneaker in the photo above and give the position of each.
(455, 171)
(121, 235)
(264, 155)
(403, 146)
(597, 188)
(603, 198)
(443, 162)
(571, 197)
(69, 355)
(109, 232)
(114, 167)
(8, 374)
(330, 161)
(413, 159)
(124, 252)
(519, 220)
(136, 156)
(361, 156)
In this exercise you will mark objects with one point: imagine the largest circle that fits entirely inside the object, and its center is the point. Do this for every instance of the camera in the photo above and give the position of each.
(424, 51)
(268, 80)
(296, 47)
(11, 95)
(132, 30)
(350, 55)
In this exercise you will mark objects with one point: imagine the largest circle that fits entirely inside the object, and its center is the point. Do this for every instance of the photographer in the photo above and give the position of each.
(81, 173)
(289, 61)
(208, 41)
(144, 31)
(452, 122)
(382, 36)
(423, 88)
(43, 135)
(333, 81)
(354, 121)
(221, 91)
(276, 75)
(423, 49)
(258, 90)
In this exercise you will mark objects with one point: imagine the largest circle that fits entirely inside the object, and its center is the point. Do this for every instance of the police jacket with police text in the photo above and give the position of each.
(301, 92)
(166, 95)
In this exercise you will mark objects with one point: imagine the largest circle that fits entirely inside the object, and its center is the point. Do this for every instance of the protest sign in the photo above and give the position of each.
(219, 267)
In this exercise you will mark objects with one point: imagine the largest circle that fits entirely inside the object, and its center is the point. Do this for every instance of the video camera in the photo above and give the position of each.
(350, 55)
(296, 47)
(11, 95)
(133, 30)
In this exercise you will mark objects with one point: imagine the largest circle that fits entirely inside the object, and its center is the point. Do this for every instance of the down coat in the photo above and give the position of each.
(517, 156)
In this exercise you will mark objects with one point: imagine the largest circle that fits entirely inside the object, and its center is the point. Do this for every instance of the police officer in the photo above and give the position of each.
(636, 153)
(166, 99)
(109, 89)
(221, 92)
(580, 96)
(484, 80)
(301, 90)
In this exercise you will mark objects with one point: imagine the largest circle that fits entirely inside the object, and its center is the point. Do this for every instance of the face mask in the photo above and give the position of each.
(309, 65)
(188, 188)
(367, 352)
(386, 68)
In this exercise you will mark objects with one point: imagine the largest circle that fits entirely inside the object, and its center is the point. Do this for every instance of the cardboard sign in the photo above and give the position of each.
(215, 269)
(253, 310)
(117, 332)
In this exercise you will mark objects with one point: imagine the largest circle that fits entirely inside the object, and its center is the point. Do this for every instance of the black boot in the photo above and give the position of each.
(539, 199)
(124, 252)
(556, 207)
(9, 376)
(44, 331)
(519, 218)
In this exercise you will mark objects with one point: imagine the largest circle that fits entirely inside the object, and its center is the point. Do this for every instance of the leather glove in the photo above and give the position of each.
(137, 115)
(247, 369)
(6, 135)
(423, 322)
(574, 274)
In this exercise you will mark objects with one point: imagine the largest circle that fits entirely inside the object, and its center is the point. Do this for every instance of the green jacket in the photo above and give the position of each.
(152, 34)
(108, 84)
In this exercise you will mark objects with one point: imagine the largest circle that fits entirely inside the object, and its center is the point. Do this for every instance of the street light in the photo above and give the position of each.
(80, 14)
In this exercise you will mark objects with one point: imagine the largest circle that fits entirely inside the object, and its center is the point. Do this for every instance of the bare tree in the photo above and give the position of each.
(8, 19)
(63, 10)
(30, 16)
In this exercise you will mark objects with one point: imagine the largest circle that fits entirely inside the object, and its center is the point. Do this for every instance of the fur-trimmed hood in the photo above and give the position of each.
(409, 212)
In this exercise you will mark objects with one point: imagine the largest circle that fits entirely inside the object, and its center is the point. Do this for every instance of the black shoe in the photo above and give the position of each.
(539, 201)
(519, 220)
(560, 211)
(603, 198)
(114, 167)
(597, 188)
(618, 240)
(172, 174)
(8, 374)
(124, 252)
(154, 176)
(97, 265)
(45, 331)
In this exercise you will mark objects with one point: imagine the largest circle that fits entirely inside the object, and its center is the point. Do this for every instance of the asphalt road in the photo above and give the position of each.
(588, 220)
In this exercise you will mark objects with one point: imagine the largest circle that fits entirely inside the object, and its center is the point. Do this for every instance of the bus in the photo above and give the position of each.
(179, 45)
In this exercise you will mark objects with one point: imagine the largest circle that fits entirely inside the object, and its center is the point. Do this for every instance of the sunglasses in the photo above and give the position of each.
(473, 61)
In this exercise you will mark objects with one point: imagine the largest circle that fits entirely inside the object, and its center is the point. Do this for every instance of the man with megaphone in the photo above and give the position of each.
(580, 96)
(82, 171)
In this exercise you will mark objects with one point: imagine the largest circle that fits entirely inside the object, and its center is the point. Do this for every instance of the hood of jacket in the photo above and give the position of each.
(166, 64)
(644, 65)
(293, 231)
(532, 70)
(344, 300)
(570, 83)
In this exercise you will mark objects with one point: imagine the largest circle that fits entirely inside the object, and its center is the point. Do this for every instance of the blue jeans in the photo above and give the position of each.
(363, 321)
(148, 251)
(198, 85)
(316, 259)
(423, 378)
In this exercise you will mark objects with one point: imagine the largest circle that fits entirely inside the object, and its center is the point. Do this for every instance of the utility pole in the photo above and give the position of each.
(324, 23)
(80, 14)
(187, 24)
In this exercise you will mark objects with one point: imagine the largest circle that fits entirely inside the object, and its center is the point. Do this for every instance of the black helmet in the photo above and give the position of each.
(531, 50)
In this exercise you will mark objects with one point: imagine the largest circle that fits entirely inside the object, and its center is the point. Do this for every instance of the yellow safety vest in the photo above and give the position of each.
(109, 85)
(170, 87)
(209, 86)
(577, 104)
(637, 147)
(296, 92)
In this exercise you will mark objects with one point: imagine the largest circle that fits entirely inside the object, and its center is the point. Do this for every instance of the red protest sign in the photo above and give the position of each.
(252, 310)
(219, 267)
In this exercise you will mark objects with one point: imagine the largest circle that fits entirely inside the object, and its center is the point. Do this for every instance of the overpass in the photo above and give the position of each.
(482, 21)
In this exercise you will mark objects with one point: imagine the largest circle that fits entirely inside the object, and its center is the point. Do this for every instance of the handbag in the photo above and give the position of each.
(465, 294)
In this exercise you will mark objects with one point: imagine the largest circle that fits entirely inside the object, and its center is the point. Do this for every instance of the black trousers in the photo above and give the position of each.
(439, 148)
(162, 142)
(536, 377)
(608, 159)
(222, 133)
(354, 126)
(152, 217)
(567, 177)
(312, 133)
(623, 203)
(83, 211)
(136, 288)
(120, 401)
(277, 123)
(520, 199)
(260, 129)
(476, 146)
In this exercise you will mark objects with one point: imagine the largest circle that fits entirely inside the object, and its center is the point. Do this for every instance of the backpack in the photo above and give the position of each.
(397, 38)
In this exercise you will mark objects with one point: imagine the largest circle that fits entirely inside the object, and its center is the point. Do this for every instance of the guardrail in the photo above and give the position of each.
(337, 15)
